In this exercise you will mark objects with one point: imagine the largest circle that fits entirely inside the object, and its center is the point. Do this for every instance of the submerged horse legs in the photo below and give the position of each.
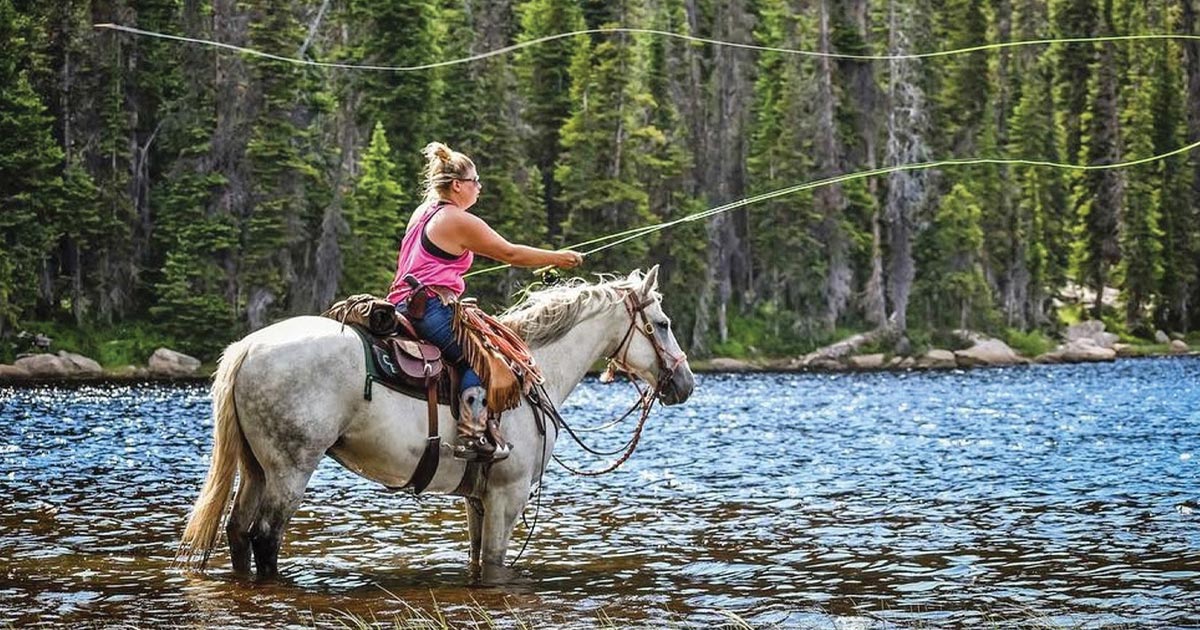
(279, 501)
(241, 519)
(502, 506)
(474, 527)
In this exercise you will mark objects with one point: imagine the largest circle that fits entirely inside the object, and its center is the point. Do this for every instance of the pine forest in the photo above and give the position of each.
(157, 190)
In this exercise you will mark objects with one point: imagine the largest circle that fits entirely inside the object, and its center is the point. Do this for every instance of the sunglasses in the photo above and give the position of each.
(469, 179)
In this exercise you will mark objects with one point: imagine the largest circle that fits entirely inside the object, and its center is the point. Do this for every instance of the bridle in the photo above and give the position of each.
(639, 321)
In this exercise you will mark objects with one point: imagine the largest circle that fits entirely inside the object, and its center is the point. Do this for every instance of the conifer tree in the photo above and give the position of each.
(1141, 266)
(603, 149)
(375, 215)
(1177, 210)
(1042, 206)
(545, 85)
(1100, 194)
(784, 229)
(409, 104)
(30, 184)
(951, 291)
(286, 183)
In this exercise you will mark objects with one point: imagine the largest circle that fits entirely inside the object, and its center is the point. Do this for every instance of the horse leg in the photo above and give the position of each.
(501, 508)
(474, 527)
(241, 519)
(279, 501)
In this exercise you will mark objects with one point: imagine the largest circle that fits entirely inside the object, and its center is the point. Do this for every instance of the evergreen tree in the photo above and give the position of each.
(1141, 265)
(409, 104)
(786, 252)
(1177, 212)
(1042, 203)
(1100, 194)
(604, 149)
(545, 84)
(950, 291)
(30, 181)
(375, 213)
(286, 182)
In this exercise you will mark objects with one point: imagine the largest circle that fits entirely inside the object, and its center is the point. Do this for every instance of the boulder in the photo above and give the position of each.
(1179, 346)
(825, 364)
(44, 366)
(132, 372)
(867, 361)
(1085, 350)
(937, 359)
(987, 352)
(1049, 357)
(13, 373)
(80, 365)
(907, 363)
(1125, 350)
(1161, 337)
(723, 364)
(1091, 329)
(165, 363)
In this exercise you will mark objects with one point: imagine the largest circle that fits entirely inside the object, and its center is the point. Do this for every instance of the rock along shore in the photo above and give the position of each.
(165, 365)
(1086, 342)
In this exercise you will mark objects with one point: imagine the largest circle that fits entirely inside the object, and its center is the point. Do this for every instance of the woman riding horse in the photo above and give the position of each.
(439, 245)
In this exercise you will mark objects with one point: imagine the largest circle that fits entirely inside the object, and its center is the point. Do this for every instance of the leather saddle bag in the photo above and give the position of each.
(416, 360)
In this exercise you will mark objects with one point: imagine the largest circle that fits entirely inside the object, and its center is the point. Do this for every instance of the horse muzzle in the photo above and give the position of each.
(676, 387)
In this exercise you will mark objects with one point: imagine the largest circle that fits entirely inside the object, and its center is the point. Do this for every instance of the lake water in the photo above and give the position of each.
(1045, 495)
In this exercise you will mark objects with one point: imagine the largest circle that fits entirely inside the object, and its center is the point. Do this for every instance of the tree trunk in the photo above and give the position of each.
(906, 145)
(829, 201)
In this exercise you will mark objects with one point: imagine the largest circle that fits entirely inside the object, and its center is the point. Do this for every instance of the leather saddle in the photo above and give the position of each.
(397, 358)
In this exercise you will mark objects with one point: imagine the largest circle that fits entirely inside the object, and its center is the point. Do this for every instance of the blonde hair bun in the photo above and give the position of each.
(437, 150)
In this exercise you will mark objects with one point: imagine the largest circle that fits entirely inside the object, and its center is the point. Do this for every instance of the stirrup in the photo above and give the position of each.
(479, 449)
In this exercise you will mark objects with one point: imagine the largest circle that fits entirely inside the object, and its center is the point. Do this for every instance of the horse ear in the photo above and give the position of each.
(650, 280)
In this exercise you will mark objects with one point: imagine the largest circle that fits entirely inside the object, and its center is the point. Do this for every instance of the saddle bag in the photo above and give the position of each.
(419, 361)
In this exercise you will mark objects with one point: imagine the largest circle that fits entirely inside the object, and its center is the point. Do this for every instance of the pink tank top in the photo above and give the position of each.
(423, 259)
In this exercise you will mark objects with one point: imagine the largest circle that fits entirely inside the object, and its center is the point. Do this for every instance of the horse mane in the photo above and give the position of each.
(547, 315)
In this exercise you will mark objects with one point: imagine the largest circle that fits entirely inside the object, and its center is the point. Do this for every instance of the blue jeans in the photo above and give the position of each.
(437, 327)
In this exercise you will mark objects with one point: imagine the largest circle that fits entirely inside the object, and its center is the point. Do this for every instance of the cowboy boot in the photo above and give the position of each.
(503, 448)
(472, 443)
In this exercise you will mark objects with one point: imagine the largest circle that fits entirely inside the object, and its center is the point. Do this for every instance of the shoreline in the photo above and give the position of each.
(716, 365)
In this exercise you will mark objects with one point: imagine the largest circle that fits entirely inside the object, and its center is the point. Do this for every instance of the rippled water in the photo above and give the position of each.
(1058, 495)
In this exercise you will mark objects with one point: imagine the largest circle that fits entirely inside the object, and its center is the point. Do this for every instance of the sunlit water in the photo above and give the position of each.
(1058, 495)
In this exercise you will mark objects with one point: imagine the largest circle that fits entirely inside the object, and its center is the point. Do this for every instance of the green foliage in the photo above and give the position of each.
(112, 346)
(950, 291)
(1028, 343)
(605, 150)
(206, 194)
(409, 104)
(375, 214)
(544, 83)
(31, 192)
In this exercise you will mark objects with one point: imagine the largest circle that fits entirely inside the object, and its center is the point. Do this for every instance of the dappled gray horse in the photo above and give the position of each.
(287, 395)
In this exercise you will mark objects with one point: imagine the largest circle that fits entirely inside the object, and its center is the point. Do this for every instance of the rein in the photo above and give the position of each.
(667, 365)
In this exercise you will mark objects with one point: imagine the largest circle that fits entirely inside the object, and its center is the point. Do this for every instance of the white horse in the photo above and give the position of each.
(288, 395)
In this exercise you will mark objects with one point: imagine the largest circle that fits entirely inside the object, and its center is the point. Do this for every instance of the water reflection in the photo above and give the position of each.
(1062, 494)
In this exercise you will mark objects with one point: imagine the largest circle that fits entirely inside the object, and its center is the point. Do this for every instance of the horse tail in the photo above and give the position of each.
(229, 448)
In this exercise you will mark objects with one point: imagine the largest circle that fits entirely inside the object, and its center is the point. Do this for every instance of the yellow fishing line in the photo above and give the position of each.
(637, 31)
(628, 235)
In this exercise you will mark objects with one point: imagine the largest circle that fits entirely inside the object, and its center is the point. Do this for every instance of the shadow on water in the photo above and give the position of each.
(1063, 494)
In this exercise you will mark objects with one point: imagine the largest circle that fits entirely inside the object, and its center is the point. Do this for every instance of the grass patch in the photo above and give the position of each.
(1030, 344)
(128, 343)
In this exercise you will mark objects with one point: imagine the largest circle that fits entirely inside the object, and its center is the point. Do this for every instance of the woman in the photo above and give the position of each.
(439, 245)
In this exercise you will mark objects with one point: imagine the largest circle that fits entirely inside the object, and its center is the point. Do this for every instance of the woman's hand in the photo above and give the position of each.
(567, 259)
